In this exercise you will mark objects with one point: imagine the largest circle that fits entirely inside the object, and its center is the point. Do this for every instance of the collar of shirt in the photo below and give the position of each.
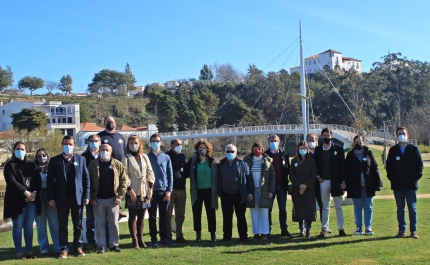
(110, 132)
(101, 160)
(95, 155)
(67, 158)
(327, 148)
(157, 154)
(402, 149)
(274, 152)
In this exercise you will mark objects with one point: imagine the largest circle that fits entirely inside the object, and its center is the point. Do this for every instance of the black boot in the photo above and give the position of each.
(198, 236)
(213, 237)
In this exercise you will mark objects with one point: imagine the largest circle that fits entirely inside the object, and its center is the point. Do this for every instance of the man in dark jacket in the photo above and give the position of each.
(330, 159)
(404, 169)
(281, 163)
(179, 193)
(235, 187)
(68, 188)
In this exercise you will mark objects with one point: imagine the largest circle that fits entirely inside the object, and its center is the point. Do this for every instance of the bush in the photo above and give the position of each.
(424, 148)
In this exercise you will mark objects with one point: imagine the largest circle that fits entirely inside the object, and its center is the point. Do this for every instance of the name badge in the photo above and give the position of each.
(182, 169)
(283, 162)
(397, 158)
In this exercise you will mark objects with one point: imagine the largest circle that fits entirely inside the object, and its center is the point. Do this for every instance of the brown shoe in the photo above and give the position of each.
(401, 234)
(63, 254)
(414, 235)
(80, 252)
(323, 233)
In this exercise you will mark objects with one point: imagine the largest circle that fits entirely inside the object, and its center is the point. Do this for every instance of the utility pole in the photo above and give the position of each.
(303, 85)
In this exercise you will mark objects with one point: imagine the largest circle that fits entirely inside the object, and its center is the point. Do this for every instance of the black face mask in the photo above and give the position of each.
(358, 146)
(326, 140)
(110, 126)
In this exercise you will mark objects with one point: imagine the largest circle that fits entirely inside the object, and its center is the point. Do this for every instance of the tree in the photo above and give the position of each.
(164, 104)
(28, 120)
(6, 77)
(31, 83)
(9, 138)
(206, 73)
(114, 82)
(66, 82)
(227, 73)
(51, 85)
(129, 78)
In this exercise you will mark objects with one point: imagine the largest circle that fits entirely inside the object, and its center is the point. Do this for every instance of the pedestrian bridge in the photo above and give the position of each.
(341, 132)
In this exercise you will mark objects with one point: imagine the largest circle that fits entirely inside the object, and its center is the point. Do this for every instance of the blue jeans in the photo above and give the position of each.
(24, 220)
(281, 197)
(411, 199)
(90, 224)
(363, 204)
(305, 224)
(48, 214)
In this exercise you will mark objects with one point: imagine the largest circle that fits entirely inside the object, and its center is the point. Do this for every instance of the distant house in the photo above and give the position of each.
(137, 90)
(71, 94)
(329, 60)
(64, 117)
(171, 85)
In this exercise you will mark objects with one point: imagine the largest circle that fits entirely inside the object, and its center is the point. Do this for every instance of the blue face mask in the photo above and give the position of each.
(20, 154)
(230, 156)
(303, 152)
(155, 145)
(68, 149)
(274, 145)
(94, 145)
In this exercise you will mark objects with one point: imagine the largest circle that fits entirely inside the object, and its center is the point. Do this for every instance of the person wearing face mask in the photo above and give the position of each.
(108, 185)
(48, 214)
(116, 140)
(202, 171)
(163, 186)
(21, 203)
(281, 163)
(404, 168)
(139, 192)
(330, 160)
(179, 193)
(264, 180)
(302, 176)
(68, 187)
(236, 188)
(90, 154)
(361, 182)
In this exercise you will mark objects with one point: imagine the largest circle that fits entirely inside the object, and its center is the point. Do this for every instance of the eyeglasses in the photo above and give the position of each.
(230, 152)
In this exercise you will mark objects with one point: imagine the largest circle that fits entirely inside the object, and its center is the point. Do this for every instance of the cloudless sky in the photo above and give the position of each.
(166, 40)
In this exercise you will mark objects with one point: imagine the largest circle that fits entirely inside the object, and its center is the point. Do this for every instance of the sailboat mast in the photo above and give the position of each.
(303, 85)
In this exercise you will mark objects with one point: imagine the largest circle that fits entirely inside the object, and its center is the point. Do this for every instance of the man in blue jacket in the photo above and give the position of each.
(163, 186)
(235, 187)
(68, 187)
(404, 169)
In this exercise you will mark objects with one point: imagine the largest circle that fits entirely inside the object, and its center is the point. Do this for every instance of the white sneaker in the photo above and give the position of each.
(358, 231)
(369, 232)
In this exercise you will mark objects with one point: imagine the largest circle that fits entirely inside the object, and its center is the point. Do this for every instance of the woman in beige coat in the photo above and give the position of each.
(303, 173)
(263, 175)
(139, 193)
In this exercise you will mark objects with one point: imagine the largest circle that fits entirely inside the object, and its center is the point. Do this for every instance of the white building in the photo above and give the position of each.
(329, 60)
(63, 117)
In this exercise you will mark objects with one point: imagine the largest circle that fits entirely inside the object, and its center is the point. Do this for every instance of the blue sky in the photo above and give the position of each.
(167, 40)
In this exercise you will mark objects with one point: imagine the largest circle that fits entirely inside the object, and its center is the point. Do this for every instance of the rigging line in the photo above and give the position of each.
(262, 70)
(288, 93)
(281, 53)
(335, 89)
(265, 88)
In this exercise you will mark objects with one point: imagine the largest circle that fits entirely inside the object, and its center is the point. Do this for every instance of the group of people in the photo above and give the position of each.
(49, 188)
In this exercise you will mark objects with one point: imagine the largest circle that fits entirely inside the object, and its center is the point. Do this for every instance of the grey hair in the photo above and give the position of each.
(232, 145)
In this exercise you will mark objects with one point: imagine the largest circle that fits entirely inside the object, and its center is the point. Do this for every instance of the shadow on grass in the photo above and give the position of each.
(316, 242)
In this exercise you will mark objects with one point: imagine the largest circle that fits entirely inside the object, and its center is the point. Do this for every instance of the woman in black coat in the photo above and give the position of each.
(362, 180)
(21, 202)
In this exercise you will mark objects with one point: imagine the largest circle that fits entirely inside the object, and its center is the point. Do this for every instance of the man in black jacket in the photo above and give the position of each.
(281, 163)
(330, 159)
(404, 169)
(179, 194)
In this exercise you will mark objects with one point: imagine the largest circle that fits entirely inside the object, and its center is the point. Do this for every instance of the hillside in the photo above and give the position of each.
(131, 112)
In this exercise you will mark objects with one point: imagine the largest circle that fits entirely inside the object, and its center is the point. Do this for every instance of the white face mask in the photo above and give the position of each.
(105, 155)
(134, 147)
(403, 138)
(312, 145)
(178, 149)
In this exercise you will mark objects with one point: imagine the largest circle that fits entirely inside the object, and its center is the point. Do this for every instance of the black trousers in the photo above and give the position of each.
(318, 197)
(204, 196)
(70, 205)
(157, 201)
(231, 203)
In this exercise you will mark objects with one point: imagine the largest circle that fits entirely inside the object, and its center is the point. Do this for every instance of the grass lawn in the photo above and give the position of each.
(380, 248)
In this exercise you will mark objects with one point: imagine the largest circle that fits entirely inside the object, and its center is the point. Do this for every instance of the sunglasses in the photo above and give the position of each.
(230, 152)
